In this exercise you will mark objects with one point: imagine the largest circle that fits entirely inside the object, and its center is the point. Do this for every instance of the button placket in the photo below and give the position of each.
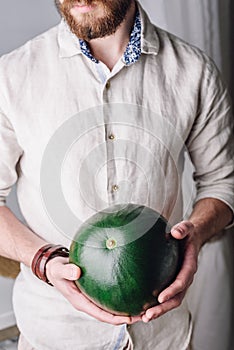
(110, 136)
(113, 186)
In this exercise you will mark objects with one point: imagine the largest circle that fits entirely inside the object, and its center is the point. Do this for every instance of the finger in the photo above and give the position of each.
(182, 229)
(161, 309)
(103, 315)
(184, 277)
(134, 319)
(177, 287)
(82, 303)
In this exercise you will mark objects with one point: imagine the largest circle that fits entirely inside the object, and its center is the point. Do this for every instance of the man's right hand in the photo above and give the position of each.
(62, 275)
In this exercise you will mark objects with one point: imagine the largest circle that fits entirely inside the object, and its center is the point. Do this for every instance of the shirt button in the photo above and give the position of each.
(107, 84)
(115, 188)
(111, 137)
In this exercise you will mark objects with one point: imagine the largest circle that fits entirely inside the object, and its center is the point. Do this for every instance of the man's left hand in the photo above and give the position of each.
(172, 296)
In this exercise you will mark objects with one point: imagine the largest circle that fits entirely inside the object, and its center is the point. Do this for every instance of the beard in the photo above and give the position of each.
(89, 27)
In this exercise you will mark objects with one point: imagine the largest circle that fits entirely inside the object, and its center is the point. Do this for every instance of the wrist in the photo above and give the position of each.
(199, 236)
(43, 256)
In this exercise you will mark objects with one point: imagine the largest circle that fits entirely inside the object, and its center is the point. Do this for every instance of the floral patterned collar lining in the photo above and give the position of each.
(133, 49)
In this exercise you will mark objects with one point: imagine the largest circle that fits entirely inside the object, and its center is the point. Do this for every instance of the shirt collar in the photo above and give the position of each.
(149, 36)
(133, 49)
(148, 40)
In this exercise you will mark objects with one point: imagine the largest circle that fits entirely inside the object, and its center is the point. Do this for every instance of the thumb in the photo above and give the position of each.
(59, 268)
(70, 272)
(182, 229)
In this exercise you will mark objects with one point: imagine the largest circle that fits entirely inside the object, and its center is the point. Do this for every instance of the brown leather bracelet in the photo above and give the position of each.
(45, 254)
(37, 256)
(40, 264)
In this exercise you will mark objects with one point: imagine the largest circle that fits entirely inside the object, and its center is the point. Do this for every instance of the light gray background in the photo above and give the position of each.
(21, 20)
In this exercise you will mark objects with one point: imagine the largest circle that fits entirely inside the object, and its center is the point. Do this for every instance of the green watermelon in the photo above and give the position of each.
(127, 257)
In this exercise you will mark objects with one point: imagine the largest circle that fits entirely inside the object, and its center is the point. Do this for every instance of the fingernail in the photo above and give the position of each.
(146, 319)
(163, 299)
(160, 300)
(180, 230)
(73, 274)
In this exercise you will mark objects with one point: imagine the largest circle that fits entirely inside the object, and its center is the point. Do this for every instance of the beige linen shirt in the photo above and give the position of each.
(79, 137)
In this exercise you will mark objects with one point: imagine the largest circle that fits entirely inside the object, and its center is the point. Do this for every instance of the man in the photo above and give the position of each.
(106, 57)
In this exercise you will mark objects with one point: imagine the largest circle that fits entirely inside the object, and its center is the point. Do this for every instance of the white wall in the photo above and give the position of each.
(22, 20)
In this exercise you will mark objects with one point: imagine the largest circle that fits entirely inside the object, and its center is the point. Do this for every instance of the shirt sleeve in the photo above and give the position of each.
(211, 140)
(10, 152)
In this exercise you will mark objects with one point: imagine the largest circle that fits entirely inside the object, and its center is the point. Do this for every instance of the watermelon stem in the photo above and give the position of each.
(111, 243)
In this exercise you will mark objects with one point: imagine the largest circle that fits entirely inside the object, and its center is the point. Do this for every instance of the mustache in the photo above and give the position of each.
(67, 5)
(71, 3)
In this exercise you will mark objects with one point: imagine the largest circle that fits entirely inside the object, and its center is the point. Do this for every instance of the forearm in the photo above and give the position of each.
(209, 217)
(18, 242)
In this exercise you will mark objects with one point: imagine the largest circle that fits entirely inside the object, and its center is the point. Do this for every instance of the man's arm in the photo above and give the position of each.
(19, 243)
(210, 146)
(208, 218)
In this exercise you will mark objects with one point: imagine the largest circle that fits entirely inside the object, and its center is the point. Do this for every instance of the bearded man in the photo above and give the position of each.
(107, 54)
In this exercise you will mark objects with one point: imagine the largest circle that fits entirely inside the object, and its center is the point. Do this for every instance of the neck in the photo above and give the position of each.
(109, 49)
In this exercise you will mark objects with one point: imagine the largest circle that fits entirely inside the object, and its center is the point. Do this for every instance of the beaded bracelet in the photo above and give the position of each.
(42, 256)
